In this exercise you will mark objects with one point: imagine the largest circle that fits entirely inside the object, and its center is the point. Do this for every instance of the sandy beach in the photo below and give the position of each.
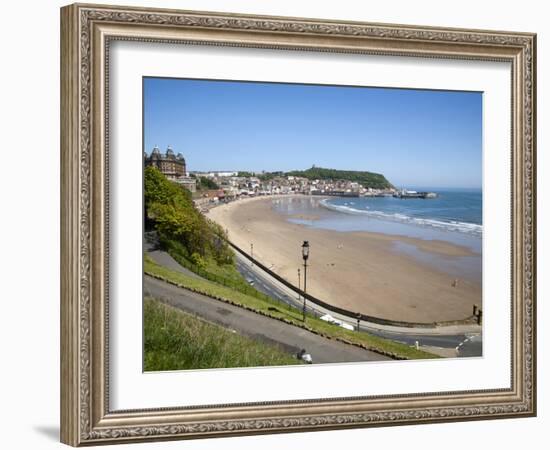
(359, 271)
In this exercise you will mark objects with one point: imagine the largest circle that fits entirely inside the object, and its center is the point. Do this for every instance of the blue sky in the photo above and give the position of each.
(414, 137)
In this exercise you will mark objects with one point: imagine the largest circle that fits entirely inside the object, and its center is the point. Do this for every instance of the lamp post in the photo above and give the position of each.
(299, 286)
(305, 256)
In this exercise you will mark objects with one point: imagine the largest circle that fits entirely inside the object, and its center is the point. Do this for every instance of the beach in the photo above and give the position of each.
(372, 273)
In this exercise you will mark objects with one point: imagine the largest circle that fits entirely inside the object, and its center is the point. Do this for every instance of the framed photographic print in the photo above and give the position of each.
(276, 224)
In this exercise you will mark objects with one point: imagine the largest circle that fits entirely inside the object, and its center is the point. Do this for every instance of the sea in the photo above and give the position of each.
(454, 216)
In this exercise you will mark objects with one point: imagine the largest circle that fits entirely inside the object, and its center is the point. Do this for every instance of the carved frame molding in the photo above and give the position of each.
(86, 32)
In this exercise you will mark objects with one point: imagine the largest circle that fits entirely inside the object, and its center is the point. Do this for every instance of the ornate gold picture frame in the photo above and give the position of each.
(87, 32)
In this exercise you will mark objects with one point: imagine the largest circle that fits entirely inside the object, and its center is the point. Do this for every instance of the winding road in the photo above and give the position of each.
(291, 338)
(448, 338)
(452, 341)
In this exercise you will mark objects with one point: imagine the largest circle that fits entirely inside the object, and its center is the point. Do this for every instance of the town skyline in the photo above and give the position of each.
(266, 127)
(235, 173)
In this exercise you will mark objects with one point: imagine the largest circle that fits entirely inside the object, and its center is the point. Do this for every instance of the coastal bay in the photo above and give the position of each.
(373, 273)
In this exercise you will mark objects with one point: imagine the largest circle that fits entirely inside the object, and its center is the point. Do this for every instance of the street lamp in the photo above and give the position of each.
(299, 284)
(305, 255)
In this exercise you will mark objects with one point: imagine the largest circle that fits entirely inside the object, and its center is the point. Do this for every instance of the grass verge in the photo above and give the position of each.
(224, 274)
(272, 308)
(175, 340)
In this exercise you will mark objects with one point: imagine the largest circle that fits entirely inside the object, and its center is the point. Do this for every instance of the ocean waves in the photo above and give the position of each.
(437, 223)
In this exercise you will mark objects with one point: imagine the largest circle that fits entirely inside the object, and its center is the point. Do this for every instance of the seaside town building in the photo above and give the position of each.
(171, 165)
(210, 197)
(188, 183)
(233, 184)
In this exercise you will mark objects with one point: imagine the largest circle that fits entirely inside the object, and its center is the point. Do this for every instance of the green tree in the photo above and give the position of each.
(170, 207)
(367, 179)
(206, 183)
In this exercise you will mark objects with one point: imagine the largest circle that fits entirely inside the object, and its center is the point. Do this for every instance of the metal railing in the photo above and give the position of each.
(351, 315)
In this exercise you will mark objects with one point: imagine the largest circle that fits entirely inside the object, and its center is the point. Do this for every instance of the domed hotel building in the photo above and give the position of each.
(171, 165)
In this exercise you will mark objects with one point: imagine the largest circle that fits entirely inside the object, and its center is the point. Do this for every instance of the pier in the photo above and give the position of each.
(414, 194)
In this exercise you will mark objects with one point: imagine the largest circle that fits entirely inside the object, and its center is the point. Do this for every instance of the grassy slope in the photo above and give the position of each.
(226, 274)
(175, 340)
(280, 311)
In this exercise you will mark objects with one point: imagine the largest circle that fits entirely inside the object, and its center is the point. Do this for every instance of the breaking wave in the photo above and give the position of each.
(452, 225)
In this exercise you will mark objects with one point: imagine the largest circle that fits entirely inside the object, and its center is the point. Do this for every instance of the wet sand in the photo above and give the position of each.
(359, 271)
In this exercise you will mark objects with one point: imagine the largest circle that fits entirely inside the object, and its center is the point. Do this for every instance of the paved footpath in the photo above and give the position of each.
(265, 329)
(163, 258)
(443, 341)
